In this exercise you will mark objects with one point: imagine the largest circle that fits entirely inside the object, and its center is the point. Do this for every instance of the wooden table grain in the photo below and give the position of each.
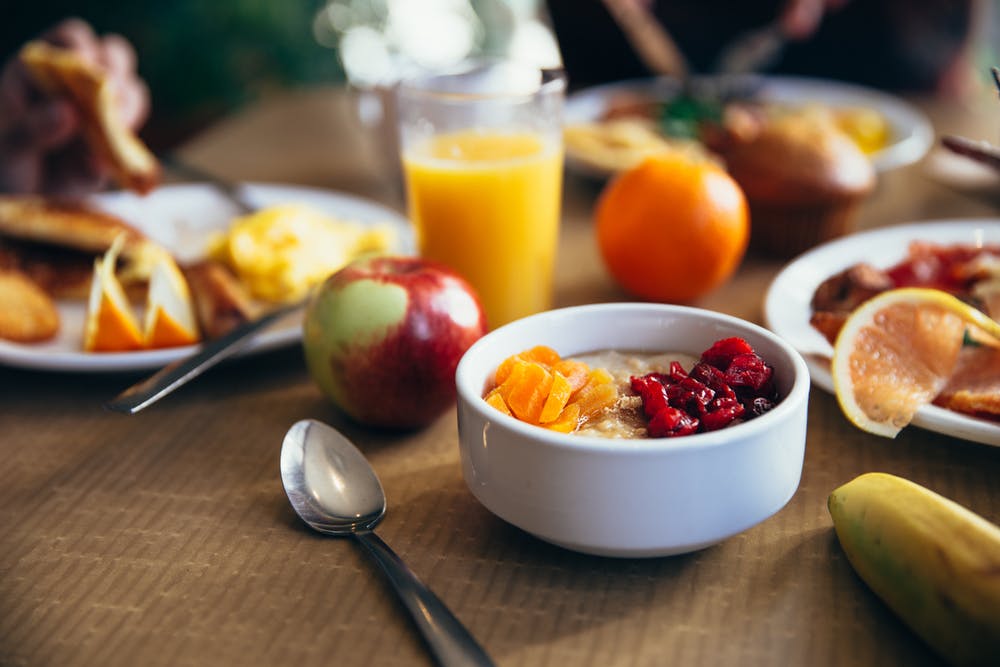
(165, 538)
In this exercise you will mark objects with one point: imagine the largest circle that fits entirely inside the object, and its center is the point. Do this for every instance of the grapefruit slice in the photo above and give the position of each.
(896, 352)
(170, 317)
(110, 323)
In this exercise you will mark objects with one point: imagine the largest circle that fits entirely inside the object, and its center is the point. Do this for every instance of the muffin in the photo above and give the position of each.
(804, 180)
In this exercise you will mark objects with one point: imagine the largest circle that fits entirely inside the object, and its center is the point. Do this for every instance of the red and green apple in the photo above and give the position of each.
(383, 337)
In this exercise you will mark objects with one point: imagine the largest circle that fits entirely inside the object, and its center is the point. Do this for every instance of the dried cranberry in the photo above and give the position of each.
(640, 383)
(652, 392)
(690, 395)
(718, 420)
(759, 406)
(730, 382)
(677, 372)
(726, 403)
(671, 422)
(750, 371)
(662, 378)
(722, 412)
(722, 352)
(713, 378)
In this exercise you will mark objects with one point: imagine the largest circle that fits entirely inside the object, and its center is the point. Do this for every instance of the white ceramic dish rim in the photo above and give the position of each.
(797, 393)
(913, 132)
(181, 217)
(786, 302)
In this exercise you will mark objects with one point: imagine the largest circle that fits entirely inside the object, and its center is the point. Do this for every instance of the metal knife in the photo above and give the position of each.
(179, 373)
(231, 191)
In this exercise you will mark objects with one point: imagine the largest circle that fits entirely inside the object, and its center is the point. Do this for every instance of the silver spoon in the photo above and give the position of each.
(333, 489)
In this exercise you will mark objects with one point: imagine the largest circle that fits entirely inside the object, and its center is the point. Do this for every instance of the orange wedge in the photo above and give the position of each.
(110, 325)
(170, 317)
(896, 352)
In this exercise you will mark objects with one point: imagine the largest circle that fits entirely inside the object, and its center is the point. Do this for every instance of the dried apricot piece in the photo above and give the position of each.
(575, 371)
(559, 394)
(540, 353)
(505, 368)
(596, 398)
(496, 400)
(539, 387)
(514, 376)
(600, 392)
(543, 354)
(599, 376)
(567, 421)
(526, 389)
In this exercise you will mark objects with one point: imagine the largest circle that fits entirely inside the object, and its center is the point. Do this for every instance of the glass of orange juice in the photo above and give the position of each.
(482, 160)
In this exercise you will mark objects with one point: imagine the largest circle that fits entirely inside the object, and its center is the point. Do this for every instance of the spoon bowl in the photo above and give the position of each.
(328, 481)
(335, 491)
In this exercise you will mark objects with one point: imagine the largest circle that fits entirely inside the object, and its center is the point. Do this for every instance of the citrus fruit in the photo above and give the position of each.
(673, 227)
(110, 325)
(895, 353)
(170, 319)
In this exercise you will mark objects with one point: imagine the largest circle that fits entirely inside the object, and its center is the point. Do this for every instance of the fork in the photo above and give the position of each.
(753, 51)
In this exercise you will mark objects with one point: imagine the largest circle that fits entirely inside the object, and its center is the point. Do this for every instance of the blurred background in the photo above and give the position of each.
(206, 59)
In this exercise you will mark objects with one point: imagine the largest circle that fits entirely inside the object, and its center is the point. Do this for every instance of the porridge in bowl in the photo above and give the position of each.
(625, 419)
(635, 394)
(627, 497)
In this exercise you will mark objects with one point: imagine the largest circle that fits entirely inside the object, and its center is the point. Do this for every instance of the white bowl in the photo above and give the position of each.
(639, 497)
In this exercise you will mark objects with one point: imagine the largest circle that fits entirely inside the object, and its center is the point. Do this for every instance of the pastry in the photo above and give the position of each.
(64, 72)
(55, 243)
(804, 180)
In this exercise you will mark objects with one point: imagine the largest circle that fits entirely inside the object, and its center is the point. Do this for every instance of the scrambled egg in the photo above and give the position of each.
(620, 143)
(281, 252)
(868, 128)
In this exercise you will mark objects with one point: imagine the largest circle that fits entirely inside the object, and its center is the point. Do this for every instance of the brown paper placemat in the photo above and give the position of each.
(166, 539)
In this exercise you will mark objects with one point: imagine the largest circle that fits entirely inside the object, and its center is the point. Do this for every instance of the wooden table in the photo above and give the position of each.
(166, 539)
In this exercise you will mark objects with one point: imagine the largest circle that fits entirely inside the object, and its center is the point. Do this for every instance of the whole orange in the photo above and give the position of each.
(672, 228)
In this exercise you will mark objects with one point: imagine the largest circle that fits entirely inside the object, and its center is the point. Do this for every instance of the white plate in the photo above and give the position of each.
(182, 218)
(912, 133)
(787, 309)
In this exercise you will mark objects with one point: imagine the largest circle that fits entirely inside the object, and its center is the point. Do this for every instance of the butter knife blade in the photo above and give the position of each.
(177, 374)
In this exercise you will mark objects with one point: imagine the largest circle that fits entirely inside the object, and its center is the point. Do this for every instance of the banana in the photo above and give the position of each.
(932, 561)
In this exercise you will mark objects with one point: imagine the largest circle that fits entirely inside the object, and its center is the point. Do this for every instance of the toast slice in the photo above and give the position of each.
(63, 72)
(221, 300)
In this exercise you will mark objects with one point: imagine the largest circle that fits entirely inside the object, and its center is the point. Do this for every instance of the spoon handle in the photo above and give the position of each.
(449, 641)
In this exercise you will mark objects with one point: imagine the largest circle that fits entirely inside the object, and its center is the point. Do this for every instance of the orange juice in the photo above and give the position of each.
(487, 204)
